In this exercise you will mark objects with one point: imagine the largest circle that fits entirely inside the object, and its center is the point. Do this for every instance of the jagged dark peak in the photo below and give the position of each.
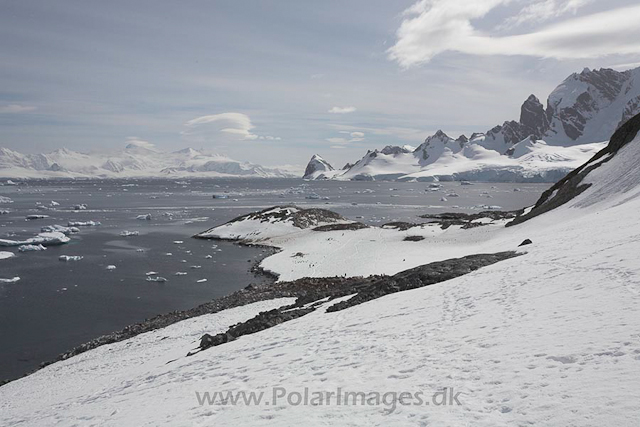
(462, 139)
(347, 166)
(440, 134)
(533, 118)
(607, 81)
(475, 135)
(394, 150)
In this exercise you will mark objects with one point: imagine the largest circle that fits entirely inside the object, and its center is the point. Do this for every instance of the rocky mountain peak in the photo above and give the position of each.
(316, 166)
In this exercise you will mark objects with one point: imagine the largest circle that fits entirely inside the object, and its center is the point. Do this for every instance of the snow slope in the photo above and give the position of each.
(548, 338)
(133, 161)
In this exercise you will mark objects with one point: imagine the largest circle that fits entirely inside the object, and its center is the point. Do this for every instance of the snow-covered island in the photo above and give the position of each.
(526, 318)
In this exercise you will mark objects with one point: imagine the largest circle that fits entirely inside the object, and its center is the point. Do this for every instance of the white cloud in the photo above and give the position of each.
(353, 137)
(544, 10)
(236, 124)
(337, 147)
(16, 109)
(431, 27)
(134, 140)
(342, 110)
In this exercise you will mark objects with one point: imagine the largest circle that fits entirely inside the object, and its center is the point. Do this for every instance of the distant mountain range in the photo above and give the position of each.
(542, 146)
(134, 161)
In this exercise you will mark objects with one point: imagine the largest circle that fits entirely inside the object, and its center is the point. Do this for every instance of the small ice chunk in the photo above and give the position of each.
(181, 273)
(129, 233)
(70, 257)
(152, 273)
(83, 223)
(12, 280)
(111, 267)
(4, 199)
(195, 267)
(156, 279)
(60, 229)
(201, 281)
(6, 255)
(146, 217)
(443, 199)
(169, 254)
(178, 242)
(31, 248)
(139, 250)
(54, 203)
(80, 207)
(208, 256)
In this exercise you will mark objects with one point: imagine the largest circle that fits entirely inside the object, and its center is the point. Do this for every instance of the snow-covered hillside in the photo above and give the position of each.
(546, 338)
(134, 161)
(543, 145)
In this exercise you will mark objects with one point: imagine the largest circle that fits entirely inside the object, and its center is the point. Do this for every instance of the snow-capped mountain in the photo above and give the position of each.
(543, 145)
(134, 161)
(317, 168)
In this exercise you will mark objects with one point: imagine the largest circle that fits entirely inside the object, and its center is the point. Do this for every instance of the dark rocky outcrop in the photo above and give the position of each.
(446, 220)
(310, 291)
(525, 242)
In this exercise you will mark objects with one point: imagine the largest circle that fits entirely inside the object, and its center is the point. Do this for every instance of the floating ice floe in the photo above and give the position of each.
(3, 212)
(180, 273)
(208, 256)
(54, 203)
(80, 207)
(6, 255)
(31, 248)
(46, 239)
(443, 199)
(220, 196)
(129, 233)
(201, 281)
(195, 267)
(146, 217)
(139, 250)
(178, 242)
(60, 229)
(152, 273)
(111, 267)
(12, 280)
(168, 254)
(32, 217)
(156, 279)
(84, 223)
(4, 199)
(70, 258)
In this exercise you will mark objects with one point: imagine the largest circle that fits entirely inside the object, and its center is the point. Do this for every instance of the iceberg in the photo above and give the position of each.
(70, 258)
(83, 223)
(44, 239)
(31, 248)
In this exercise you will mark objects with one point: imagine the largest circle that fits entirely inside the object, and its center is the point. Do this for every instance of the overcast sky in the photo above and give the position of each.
(275, 81)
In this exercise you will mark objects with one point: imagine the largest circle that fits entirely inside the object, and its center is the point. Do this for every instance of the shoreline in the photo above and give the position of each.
(249, 294)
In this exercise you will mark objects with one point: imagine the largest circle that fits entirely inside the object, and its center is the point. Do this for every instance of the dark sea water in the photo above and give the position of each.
(58, 305)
